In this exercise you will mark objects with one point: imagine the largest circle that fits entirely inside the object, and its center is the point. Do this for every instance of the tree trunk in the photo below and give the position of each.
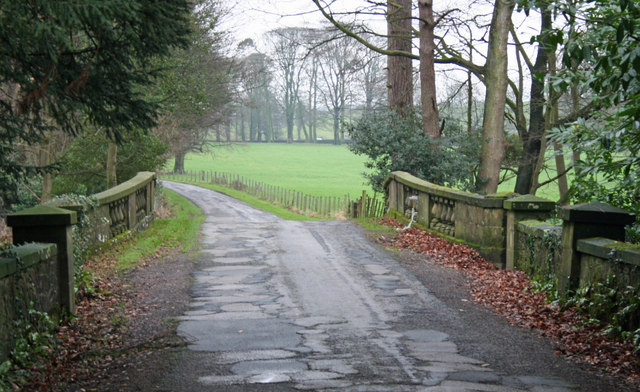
(336, 126)
(289, 115)
(399, 68)
(178, 163)
(301, 123)
(243, 135)
(493, 141)
(470, 92)
(253, 124)
(44, 159)
(299, 119)
(112, 159)
(313, 100)
(430, 116)
(539, 166)
(563, 184)
(532, 141)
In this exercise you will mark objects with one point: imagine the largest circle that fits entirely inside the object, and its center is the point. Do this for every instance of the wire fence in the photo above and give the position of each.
(302, 203)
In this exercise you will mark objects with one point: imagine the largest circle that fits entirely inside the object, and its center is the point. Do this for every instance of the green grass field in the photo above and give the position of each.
(315, 169)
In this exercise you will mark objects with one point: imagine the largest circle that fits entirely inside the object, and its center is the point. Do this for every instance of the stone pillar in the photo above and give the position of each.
(47, 224)
(151, 197)
(392, 194)
(586, 221)
(423, 208)
(521, 208)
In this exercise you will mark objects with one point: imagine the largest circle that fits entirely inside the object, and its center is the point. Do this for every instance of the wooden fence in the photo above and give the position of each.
(320, 206)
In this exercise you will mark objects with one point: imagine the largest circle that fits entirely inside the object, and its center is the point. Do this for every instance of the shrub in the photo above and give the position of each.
(393, 142)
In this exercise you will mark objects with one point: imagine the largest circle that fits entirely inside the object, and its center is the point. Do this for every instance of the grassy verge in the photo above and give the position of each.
(255, 202)
(374, 226)
(180, 231)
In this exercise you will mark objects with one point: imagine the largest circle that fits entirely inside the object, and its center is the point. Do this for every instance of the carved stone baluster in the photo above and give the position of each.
(453, 219)
(435, 212)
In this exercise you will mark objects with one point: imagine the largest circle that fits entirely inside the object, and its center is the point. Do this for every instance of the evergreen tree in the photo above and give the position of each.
(66, 64)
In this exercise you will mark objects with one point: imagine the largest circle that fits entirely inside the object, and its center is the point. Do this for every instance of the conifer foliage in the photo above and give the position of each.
(66, 64)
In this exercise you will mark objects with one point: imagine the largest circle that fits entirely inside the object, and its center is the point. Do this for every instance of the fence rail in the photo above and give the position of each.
(319, 206)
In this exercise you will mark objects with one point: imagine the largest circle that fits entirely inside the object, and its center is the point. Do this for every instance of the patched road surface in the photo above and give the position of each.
(284, 306)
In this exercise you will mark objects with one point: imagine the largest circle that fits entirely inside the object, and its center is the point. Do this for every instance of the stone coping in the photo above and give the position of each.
(28, 255)
(126, 188)
(489, 201)
(42, 215)
(529, 203)
(608, 249)
(538, 228)
(596, 213)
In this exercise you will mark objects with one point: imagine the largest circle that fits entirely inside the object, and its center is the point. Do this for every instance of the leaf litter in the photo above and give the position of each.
(511, 295)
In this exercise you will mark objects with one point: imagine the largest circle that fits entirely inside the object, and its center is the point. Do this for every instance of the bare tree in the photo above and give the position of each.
(340, 60)
(399, 51)
(373, 79)
(288, 53)
(255, 78)
(533, 137)
(197, 95)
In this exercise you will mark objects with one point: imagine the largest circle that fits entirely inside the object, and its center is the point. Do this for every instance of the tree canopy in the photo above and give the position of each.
(600, 46)
(66, 64)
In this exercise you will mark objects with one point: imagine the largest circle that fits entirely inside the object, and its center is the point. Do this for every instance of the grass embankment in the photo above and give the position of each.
(314, 169)
(178, 231)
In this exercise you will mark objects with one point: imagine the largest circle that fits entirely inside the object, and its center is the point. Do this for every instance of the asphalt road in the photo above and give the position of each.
(283, 306)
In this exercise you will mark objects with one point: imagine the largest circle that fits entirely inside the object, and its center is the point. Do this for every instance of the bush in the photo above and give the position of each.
(393, 142)
(18, 194)
(82, 171)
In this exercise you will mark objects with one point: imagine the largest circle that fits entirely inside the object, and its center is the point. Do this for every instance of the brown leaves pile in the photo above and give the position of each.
(510, 294)
(94, 340)
(87, 343)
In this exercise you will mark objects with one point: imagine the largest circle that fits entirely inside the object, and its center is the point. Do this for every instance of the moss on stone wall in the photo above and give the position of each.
(31, 285)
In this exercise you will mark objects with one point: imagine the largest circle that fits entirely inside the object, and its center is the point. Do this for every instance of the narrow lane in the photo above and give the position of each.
(281, 305)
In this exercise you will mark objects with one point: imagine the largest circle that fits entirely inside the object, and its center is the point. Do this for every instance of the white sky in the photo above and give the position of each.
(253, 18)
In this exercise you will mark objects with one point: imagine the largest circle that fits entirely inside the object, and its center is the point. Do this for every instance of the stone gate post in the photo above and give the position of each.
(522, 208)
(586, 221)
(47, 224)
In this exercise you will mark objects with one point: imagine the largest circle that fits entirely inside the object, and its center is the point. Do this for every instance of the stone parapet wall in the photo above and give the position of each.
(40, 268)
(510, 231)
(602, 257)
(28, 281)
(127, 206)
(538, 248)
(476, 219)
